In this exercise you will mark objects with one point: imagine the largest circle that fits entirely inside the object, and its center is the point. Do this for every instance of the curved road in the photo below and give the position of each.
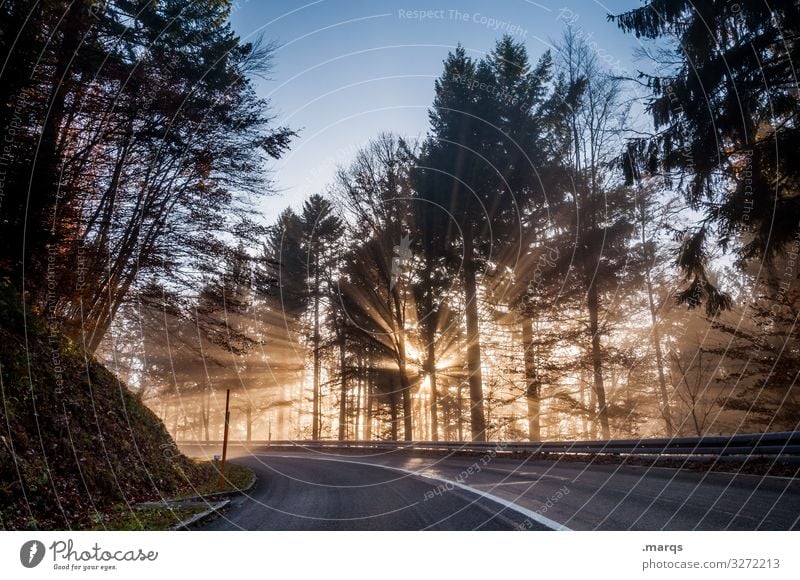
(396, 491)
(312, 493)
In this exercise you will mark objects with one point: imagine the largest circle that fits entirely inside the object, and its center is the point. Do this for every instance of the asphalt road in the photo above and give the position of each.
(395, 491)
(312, 493)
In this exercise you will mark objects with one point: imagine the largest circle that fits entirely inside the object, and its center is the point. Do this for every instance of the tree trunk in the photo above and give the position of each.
(399, 329)
(343, 394)
(431, 364)
(315, 435)
(662, 380)
(593, 302)
(393, 410)
(405, 386)
(408, 422)
(592, 405)
(282, 429)
(249, 419)
(532, 385)
(206, 415)
(584, 405)
(459, 413)
(45, 179)
(478, 421)
(369, 402)
(357, 417)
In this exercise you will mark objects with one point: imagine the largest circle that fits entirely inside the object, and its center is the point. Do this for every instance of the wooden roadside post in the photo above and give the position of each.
(221, 483)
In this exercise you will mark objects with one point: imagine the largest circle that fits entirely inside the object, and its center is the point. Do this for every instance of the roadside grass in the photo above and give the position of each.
(237, 477)
(124, 519)
(147, 517)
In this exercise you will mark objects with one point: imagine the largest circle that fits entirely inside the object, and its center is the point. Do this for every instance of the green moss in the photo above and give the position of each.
(154, 518)
(237, 477)
(72, 438)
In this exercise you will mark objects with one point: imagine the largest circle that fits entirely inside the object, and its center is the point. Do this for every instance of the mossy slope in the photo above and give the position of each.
(74, 441)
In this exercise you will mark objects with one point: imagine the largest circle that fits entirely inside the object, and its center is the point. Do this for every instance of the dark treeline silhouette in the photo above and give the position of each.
(132, 133)
(541, 265)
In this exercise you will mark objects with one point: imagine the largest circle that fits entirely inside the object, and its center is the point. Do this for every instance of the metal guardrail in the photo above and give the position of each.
(765, 445)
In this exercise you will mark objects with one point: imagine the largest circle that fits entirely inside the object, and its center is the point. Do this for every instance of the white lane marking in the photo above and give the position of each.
(526, 482)
(530, 514)
(528, 473)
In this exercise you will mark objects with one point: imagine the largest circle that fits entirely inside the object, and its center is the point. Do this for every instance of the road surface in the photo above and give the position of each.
(397, 491)
(314, 493)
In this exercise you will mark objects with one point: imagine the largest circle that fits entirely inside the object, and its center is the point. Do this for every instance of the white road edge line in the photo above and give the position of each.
(530, 514)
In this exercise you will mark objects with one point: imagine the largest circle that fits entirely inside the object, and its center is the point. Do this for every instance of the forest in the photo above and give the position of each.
(568, 253)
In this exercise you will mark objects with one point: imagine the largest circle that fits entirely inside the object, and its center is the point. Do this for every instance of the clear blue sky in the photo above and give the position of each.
(347, 69)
